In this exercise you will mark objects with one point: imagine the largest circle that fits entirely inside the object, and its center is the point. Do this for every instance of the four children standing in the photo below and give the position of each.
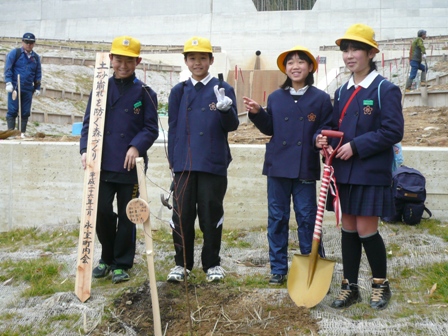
(202, 111)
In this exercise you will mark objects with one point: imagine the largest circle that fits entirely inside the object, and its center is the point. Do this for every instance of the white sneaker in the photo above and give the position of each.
(23, 136)
(177, 274)
(215, 273)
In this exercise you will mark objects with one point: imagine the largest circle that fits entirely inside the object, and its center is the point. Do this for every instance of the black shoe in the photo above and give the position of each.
(277, 279)
(348, 295)
(101, 270)
(381, 294)
(119, 275)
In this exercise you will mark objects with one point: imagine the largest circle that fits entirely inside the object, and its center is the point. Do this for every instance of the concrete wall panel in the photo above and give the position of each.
(42, 184)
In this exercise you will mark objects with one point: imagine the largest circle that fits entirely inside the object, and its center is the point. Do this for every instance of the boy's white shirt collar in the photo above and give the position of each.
(366, 81)
(204, 81)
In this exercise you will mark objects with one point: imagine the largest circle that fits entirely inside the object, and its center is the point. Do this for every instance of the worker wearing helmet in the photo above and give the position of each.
(416, 55)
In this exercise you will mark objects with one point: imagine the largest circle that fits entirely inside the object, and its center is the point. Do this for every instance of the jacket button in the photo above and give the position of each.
(299, 143)
(122, 135)
(202, 109)
(284, 143)
(301, 118)
(126, 110)
(108, 133)
(356, 113)
(286, 118)
(201, 133)
(189, 109)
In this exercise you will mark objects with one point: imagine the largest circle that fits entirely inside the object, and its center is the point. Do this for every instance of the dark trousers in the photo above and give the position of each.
(116, 233)
(201, 194)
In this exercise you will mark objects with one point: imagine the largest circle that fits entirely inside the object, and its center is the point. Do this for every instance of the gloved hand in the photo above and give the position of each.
(224, 103)
(424, 56)
(37, 93)
(9, 87)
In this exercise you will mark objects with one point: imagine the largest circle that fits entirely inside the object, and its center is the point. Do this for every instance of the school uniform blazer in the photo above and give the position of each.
(372, 129)
(291, 152)
(131, 120)
(197, 133)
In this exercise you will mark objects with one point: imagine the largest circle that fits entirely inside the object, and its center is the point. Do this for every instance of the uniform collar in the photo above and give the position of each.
(203, 81)
(365, 83)
(299, 92)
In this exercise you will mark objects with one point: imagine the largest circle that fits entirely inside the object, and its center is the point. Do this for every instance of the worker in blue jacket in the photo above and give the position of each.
(295, 116)
(130, 129)
(26, 63)
(201, 113)
(367, 109)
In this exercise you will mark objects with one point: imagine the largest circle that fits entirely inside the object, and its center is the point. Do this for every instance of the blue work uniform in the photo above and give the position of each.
(372, 132)
(199, 155)
(28, 66)
(131, 120)
(292, 166)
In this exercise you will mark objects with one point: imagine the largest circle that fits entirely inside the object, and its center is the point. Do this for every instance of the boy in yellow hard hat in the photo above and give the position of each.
(295, 115)
(130, 129)
(201, 112)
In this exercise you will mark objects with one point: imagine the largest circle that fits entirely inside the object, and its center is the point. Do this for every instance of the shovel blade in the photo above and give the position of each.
(302, 293)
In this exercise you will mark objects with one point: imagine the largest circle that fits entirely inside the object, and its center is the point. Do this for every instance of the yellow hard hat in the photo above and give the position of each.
(125, 46)
(198, 44)
(361, 33)
(282, 56)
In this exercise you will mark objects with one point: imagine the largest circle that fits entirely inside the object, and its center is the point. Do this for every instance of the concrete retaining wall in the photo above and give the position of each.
(42, 184)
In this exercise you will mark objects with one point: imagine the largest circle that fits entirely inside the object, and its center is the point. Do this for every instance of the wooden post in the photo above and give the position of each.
(149, 250)
(20, 106)
(92, 177)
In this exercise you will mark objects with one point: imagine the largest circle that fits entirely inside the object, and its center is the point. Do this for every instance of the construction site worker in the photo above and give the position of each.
(130, 129)
(201, 112)
(26, 63)
(363, 163)
(295, 115)
(416, 55)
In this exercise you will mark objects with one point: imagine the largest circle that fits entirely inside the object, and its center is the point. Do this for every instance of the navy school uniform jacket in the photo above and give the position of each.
(373, 130)
(294, 127)
(128, 123)
(197, 134)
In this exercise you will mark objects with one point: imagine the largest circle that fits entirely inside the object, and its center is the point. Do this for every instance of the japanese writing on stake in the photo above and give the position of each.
(96, 139)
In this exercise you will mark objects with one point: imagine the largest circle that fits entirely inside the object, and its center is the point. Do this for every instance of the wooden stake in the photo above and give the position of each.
(20, 105)
(92, 177)
(149, 246)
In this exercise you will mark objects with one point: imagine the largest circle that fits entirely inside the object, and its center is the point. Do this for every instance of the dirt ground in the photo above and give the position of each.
(216, 310)
(424, 126)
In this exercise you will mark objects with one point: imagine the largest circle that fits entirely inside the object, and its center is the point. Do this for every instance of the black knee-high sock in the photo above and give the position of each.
(376, 254)
(351, 255)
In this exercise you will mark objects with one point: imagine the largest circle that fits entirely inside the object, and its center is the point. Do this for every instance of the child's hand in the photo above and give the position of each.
(224, 103)
(321, 141)
(345, 152)
(83, 161)
(251, 105)
(131, 156)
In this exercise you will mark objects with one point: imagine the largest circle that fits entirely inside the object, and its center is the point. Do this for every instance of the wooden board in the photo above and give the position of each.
(149, 249)
(92, 178)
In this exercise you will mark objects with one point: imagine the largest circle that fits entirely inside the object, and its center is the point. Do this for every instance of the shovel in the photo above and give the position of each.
(310, 275)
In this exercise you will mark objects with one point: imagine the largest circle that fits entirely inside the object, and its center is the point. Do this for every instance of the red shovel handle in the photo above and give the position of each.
(332, 134)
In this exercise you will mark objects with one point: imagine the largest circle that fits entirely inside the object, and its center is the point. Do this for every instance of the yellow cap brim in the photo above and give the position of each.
(282, 56)
(359, 39)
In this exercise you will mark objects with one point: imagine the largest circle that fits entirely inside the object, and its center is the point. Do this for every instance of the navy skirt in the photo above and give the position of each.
(365, 200)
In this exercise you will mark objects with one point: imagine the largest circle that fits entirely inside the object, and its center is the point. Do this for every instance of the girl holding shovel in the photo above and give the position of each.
(368, 111)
